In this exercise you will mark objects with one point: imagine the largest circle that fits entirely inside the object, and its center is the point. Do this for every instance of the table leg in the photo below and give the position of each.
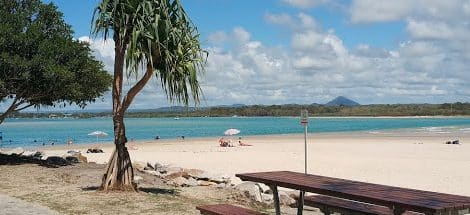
(277, 206)
(300, 203)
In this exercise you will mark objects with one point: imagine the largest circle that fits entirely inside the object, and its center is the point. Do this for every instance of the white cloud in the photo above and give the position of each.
(305, 3)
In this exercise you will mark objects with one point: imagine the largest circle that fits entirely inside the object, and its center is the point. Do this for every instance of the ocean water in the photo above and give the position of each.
(36, 132)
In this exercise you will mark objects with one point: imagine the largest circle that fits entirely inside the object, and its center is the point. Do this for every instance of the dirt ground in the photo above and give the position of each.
(72, 190)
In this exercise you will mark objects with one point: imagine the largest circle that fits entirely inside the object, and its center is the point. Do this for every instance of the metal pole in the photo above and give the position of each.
(305, 138)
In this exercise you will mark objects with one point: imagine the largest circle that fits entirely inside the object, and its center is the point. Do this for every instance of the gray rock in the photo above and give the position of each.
(149, 167)
(72, 159)
(194, 173)
(33, 154)
(171, 170)
(221, 186)
(206, 183)
(56, 160)
(285, 199)
(157, 166)
(139, 165)
(138, 179)
(180, 181)
(153, 172)
(265, 189)
(251, 190)
(267, 198)
(192, 182)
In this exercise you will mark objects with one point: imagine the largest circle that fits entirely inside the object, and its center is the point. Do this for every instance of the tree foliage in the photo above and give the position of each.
(40, 62)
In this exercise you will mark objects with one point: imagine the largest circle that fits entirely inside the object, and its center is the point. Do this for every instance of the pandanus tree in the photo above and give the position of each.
(151, 38)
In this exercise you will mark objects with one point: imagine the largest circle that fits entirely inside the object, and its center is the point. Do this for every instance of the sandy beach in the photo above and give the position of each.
(406, 159)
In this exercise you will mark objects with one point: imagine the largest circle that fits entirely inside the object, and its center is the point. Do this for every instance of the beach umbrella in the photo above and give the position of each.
(232, 131)
(98, 134)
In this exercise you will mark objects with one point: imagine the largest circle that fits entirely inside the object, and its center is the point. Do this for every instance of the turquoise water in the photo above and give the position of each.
(35, 132)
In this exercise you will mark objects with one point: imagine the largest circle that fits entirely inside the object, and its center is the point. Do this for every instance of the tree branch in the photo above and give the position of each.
(10, 109)
(22, 108)
(137, 88)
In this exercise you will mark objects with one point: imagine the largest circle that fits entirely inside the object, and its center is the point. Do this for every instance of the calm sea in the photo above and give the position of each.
(35, 132)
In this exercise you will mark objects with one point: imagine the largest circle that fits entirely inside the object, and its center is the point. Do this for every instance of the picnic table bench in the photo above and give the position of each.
(398, 199)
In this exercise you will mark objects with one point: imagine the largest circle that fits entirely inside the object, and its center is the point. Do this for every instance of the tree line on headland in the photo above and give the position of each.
(446, 109)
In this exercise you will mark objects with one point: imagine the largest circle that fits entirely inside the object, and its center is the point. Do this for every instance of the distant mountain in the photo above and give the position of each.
(342, 101)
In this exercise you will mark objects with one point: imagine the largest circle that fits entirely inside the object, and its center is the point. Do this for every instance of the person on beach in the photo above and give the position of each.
(241, 143)
(224, 143)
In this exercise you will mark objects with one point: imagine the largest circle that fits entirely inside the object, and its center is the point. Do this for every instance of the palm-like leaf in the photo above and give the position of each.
(159, 34)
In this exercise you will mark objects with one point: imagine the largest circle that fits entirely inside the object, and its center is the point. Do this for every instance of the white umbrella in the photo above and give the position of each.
(231, 132)
(98, 134)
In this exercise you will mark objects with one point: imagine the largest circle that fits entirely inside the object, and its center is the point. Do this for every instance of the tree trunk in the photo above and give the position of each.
(119, 173)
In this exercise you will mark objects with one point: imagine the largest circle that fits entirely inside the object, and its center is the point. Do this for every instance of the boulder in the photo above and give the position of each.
(265, 189)
(171, 170)
(220, 179)
(153, 172)
(206, 183)
(176, 175)
(149, 167)
(191, 182)
(72, 159)
(267, 198)
(33, 154)
(251, 190)
(94, 150)
(179, 181)
(157, 166)
(138, 179)
(194, 173)
(139, 165)
(285, 199)
(82, 158)
(56, 160)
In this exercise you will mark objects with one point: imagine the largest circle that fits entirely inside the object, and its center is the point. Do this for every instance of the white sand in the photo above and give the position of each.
(405, 159)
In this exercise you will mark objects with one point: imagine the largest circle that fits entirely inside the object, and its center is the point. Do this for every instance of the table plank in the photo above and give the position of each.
(404, 198)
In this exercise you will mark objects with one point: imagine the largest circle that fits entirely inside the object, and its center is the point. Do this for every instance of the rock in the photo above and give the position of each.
(251, 190)
(138, 179)
(72, 159)
(265, 189)
(157, 166)
(33, 154)
(171, 170)
(285, 199)
(191, 182)
(56, 160)
(73, 153)
(221, 179)
(179, 181)
(176, 175)
(194, 173)
(206, 183)
(94, 150)
(139, 165)
(82, 158)
(149, 167)
(153, 172)
(267, 198)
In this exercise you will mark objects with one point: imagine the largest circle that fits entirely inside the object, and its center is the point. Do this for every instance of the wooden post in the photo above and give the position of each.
(277, 206)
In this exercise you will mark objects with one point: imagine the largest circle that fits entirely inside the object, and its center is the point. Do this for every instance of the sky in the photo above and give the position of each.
(311, 51)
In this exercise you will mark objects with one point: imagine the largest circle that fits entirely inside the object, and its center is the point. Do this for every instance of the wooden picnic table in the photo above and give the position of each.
(396, 198)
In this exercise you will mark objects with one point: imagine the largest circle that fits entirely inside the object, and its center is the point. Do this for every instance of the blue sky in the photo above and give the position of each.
(306, 51)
